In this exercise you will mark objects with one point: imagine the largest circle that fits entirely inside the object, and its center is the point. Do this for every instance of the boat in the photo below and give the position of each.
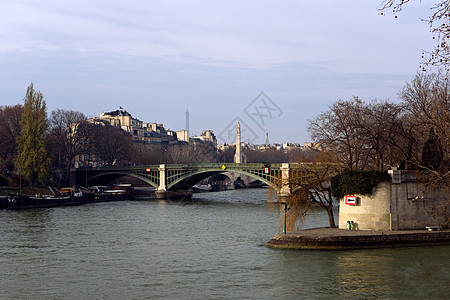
(67, 196)
(105, 193)
(3, 202)
(201, 188)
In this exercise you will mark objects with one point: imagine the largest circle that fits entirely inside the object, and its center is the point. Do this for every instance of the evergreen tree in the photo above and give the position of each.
(34, 159)
(432, 154)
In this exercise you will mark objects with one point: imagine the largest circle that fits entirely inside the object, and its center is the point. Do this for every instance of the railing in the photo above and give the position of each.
(277, 175)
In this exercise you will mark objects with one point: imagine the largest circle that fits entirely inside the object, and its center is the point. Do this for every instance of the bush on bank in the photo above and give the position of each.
(350, 182)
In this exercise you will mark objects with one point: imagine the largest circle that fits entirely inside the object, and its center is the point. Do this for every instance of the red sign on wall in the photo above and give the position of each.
(148, 170)
(351, 200)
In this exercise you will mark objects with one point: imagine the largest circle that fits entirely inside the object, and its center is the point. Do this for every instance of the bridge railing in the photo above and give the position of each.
(194, 165)
(220, 164)
(278, 175)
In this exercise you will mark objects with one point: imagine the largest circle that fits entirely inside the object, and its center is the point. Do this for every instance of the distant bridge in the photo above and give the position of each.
(285, 178)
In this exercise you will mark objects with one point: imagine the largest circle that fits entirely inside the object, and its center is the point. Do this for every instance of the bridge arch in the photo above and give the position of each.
(121, 174)
(201, 174)
(285, 178)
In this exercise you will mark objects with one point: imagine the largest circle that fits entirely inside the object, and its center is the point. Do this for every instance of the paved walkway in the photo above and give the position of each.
(338, 239)
(326, 231)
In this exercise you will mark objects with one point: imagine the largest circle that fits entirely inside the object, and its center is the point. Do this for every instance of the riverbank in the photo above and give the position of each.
(341, 239)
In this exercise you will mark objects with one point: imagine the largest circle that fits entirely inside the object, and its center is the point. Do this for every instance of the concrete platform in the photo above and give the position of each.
(342, 239)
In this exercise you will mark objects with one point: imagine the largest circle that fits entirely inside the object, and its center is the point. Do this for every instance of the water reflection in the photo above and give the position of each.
(363, 274)
(402, 272)
(31, 226)
(209, 247)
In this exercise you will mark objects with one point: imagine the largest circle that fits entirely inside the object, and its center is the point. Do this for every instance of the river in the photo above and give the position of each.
(208, 247)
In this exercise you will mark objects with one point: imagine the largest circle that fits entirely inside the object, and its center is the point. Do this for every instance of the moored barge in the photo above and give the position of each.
(68, 196)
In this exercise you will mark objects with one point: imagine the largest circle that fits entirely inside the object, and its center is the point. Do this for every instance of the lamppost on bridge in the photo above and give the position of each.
(286, 208)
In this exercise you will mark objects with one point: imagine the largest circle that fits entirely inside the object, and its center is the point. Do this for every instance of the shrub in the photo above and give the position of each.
(350, 182)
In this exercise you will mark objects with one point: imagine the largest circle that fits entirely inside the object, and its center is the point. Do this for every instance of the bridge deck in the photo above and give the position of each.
(172, 176)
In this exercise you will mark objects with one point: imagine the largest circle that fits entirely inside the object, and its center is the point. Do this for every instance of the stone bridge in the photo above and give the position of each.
(285, 178)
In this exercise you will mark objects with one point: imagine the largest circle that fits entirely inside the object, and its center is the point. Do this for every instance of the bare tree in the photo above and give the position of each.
(339, 130)
(427, 99)
(316, 190)
(378, 135)
(272, 155)
(439, 22)
(10, 128)
(378, 124)
(112, 145)
(227, 155)
(69, 135)
(371, 136)
(145, 155)
(195, 153)
(404, 140)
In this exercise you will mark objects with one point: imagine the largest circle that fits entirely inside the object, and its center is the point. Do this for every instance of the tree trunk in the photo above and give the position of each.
(331, 217)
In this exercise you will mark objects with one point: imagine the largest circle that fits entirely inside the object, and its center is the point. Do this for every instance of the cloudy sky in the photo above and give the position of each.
(157, 58)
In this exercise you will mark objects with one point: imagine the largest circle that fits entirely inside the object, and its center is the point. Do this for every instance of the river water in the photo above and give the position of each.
(208, 247)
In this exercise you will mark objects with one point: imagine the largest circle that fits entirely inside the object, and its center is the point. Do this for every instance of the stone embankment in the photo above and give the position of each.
(341, 239)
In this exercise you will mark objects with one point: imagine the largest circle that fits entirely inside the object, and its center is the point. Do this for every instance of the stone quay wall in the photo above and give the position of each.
(403, 204)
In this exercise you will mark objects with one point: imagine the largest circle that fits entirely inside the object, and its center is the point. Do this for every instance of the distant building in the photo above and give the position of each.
(124, 120)
(156, 135)
(183, 136)
(315, 146)
(153, 134)
(207, 136)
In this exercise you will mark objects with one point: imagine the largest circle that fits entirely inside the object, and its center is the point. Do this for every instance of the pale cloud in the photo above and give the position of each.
(159, 57)
(242, 31)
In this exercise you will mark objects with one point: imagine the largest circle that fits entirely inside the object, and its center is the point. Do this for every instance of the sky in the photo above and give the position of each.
(270, 65)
